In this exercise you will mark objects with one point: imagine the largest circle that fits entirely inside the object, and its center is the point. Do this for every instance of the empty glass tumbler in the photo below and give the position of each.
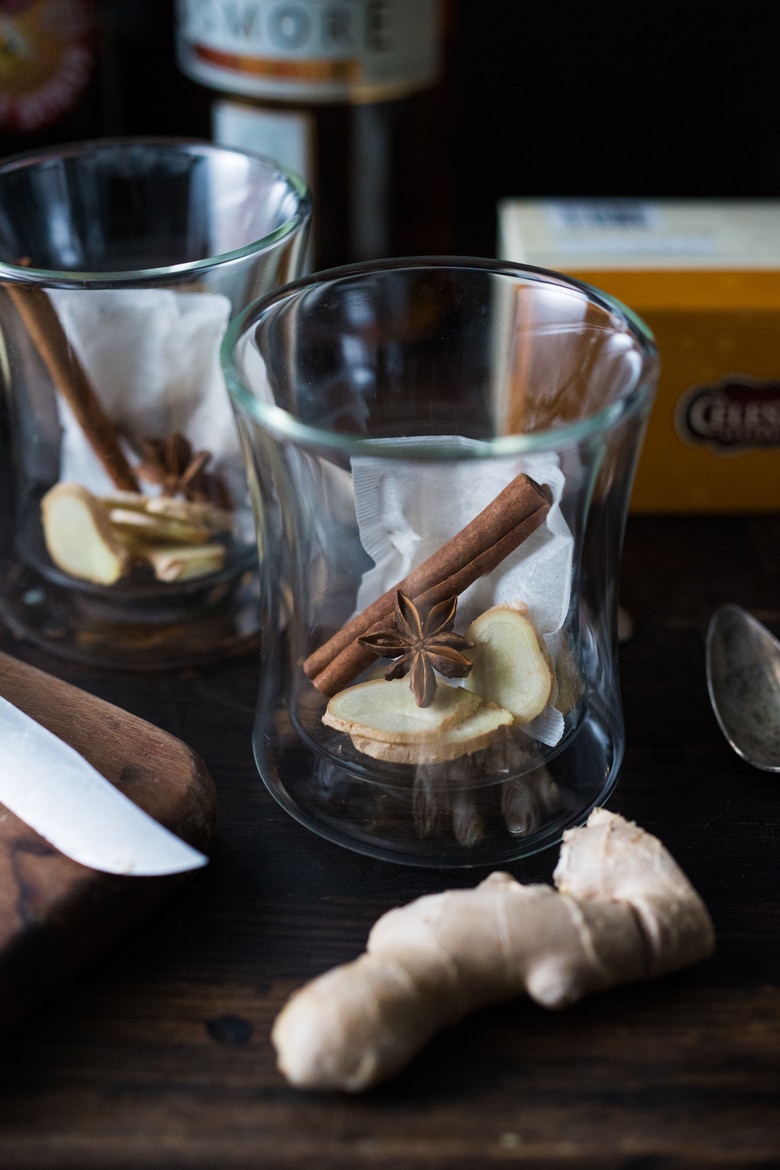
(441, 453)
(132, 541)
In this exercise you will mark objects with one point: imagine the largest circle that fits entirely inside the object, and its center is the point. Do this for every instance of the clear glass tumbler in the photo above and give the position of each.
(441, 453)
(131, 537)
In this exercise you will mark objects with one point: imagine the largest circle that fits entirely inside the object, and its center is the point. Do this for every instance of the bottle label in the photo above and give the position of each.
(47, 59)
(310, 50)
(738, 413)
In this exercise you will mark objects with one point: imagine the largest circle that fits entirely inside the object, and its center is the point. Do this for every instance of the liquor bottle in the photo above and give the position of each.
(52, 73)
(351, 95)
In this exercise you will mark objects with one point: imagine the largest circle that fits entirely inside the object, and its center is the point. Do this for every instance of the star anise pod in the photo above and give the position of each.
(422, 643)
(172, 464)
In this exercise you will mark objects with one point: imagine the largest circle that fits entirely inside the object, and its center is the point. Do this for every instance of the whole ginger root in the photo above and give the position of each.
(623, 910)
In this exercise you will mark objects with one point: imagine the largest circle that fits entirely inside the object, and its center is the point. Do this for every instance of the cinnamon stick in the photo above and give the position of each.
(477, 549)
(43, 325)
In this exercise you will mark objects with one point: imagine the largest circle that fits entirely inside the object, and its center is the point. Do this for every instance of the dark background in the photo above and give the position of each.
(588, 99)
(542, 99)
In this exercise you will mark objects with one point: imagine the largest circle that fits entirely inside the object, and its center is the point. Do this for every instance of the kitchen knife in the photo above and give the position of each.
(53, 789)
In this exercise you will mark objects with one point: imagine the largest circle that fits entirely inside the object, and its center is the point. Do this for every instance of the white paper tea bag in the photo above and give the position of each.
(406, 510)
(152, 356)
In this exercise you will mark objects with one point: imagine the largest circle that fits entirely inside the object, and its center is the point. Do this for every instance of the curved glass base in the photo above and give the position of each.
(434, 819)
(179, 626)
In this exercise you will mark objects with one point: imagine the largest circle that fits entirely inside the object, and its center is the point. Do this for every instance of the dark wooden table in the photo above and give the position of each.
(157, 1054)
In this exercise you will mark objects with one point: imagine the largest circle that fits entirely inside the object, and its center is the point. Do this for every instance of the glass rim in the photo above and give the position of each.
(80, 278)
(283, 424)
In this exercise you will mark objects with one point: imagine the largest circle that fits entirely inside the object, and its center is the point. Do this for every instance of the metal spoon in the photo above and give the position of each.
(743, 678)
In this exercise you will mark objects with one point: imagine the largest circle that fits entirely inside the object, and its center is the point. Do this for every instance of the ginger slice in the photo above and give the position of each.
(199, 512)
(173, 536)
(134, 500)
(142, 526)
(185, 562)
(386, 710)
(476, 732)
(383, 721)
(511, 667)
(79, 536)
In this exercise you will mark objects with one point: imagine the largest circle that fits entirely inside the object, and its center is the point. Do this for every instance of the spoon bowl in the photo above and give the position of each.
(743, 678)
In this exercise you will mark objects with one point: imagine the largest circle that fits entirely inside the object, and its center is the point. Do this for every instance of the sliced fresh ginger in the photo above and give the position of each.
(79, 536)
(158, 529)
(474, 734)
(200, 513)
(387, 709)
(622, 910)
(192, 511)
(99, 538)
(511, 667)
(383, 721)
(184, 562)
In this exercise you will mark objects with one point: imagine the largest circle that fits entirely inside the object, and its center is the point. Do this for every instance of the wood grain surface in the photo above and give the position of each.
(157, 1055)
(54, 912)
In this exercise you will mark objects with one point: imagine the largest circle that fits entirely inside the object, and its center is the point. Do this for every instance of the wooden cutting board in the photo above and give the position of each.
(55, 913)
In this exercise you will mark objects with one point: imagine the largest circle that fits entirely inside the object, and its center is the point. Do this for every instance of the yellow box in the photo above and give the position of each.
(705, 277)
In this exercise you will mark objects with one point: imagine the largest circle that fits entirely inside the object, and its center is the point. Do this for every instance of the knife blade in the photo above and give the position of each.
(57, 792)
